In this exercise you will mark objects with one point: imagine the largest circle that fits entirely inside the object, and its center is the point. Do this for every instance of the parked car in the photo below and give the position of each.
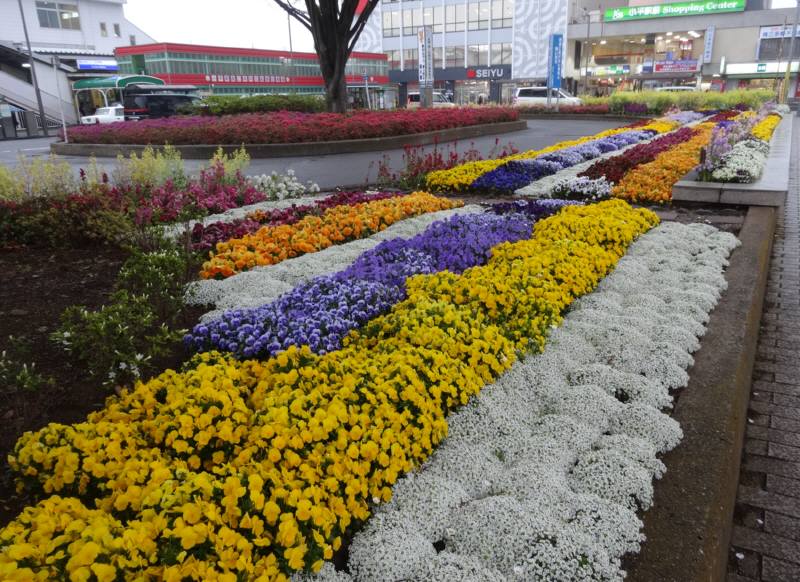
(677, 88)
(152, 105)
(111, 114)
(538, 96)
(439, 100)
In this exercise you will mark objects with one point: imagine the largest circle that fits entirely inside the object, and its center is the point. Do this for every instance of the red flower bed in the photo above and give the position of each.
(614, 168)
(598, 109)
(287, 127)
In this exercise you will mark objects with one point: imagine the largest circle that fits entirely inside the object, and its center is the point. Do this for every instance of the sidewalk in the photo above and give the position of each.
(765, 544)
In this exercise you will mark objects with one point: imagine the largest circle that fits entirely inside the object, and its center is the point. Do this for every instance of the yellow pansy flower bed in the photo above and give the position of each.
(766, 127)
(253, 470)
(461, 177)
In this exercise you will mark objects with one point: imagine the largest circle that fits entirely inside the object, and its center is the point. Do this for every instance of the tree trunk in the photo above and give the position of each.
(336, 91)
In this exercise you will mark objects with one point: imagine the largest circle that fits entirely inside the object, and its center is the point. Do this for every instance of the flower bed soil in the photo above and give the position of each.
(38, 285)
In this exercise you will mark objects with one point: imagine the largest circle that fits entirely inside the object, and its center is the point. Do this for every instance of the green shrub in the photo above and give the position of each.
(12, 187)
(118, 342)
(153, 168)
(660, 101)
(17, 376)
(226, 105)
(159, 276)
(45, 177)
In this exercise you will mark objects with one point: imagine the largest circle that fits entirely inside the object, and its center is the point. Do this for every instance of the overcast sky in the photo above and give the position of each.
(236, 23)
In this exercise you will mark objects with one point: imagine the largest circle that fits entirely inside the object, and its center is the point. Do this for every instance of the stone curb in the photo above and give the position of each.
(586, 116)
(689, 527)
(769, 190)
(287, 150)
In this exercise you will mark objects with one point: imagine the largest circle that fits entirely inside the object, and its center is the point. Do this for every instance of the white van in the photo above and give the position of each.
(439, 100)
(538, 96)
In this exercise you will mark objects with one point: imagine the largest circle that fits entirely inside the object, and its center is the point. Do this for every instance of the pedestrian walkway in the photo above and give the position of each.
(765, 545)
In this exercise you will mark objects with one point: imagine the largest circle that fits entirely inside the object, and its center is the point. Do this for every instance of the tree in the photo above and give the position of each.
(335, 26)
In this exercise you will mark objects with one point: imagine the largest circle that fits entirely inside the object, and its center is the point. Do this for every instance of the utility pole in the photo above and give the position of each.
(588, 48)
(785, 88)
(33, 71)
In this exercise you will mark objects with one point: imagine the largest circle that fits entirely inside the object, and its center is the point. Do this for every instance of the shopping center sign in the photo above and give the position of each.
(673, 9)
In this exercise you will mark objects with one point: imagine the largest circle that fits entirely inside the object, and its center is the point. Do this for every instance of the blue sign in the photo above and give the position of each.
(555, 56)
(97, 65)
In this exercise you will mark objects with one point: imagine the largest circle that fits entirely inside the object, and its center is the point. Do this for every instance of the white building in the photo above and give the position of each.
(82, 34)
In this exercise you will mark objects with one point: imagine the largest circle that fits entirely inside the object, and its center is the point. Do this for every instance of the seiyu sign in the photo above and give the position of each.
(489, 73)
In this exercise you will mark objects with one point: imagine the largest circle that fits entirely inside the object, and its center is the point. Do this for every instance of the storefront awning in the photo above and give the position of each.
(115, 82)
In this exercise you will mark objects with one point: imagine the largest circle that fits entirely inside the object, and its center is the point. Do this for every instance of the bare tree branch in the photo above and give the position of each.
(300, 15)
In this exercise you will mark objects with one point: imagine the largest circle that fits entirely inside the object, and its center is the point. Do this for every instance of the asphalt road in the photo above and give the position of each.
(349, 169)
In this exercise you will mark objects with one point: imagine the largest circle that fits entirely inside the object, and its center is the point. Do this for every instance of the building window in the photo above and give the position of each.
(771, 49)
(502, 13)
(438, 57)
(103, 29)
(478, 55)
(411, 59)
(58, 15)
(455, 17)
(393, 58)
(479, 15)
(391, 23)
(132, 40)
(412, 20)
(454, 57)
(117, 31)
(434, 16)
(501, 53)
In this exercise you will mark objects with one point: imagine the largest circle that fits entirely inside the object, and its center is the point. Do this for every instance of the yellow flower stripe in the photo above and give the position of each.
(257, 469)
(653, 181)
(766, 127)
(461, 177)
(273, 244)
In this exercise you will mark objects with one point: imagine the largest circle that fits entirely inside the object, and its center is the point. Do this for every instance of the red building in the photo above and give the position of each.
(225, 70)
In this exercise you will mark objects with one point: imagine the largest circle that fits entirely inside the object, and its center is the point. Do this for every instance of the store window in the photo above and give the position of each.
(502, 13)
(455, 17)
(58, 15)
(454, 56)
(771, 49)
(391, 23)
(501, 53)
(411, 58)
(393, 58)
(434, 16)
(479, 15)
(478, 55)
(103, 29)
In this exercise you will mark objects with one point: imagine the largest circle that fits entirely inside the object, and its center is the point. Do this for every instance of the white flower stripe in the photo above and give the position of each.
(542, 473)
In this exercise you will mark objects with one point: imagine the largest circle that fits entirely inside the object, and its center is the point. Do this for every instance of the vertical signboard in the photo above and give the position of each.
(554, 58)
(708, 46)
(425, 52)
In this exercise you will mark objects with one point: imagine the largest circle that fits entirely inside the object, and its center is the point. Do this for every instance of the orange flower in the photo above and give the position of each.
(273, 244)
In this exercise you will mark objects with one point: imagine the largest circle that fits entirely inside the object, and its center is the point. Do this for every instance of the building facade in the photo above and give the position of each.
(241, 71)
(481, 48)
(714, 45)
(70, 40)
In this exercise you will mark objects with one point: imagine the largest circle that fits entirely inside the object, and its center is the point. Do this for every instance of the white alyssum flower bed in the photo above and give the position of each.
(264, 284)
(744, 163)
(542, 474)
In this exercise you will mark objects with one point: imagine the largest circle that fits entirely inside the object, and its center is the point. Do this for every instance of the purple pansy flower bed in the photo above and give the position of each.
(517, 174)
(322, 312)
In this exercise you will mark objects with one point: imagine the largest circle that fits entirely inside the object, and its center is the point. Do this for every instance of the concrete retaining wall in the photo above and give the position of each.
(769, 190)
(288, 150)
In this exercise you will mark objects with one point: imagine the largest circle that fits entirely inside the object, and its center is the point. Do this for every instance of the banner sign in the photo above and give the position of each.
(554, 58)
(675, 66)
(425, 52)
(673, 9)
(708, 47)
(611, 70)
(777, 31)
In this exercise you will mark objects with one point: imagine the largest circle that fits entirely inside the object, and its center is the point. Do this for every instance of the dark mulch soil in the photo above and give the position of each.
(36, 286)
